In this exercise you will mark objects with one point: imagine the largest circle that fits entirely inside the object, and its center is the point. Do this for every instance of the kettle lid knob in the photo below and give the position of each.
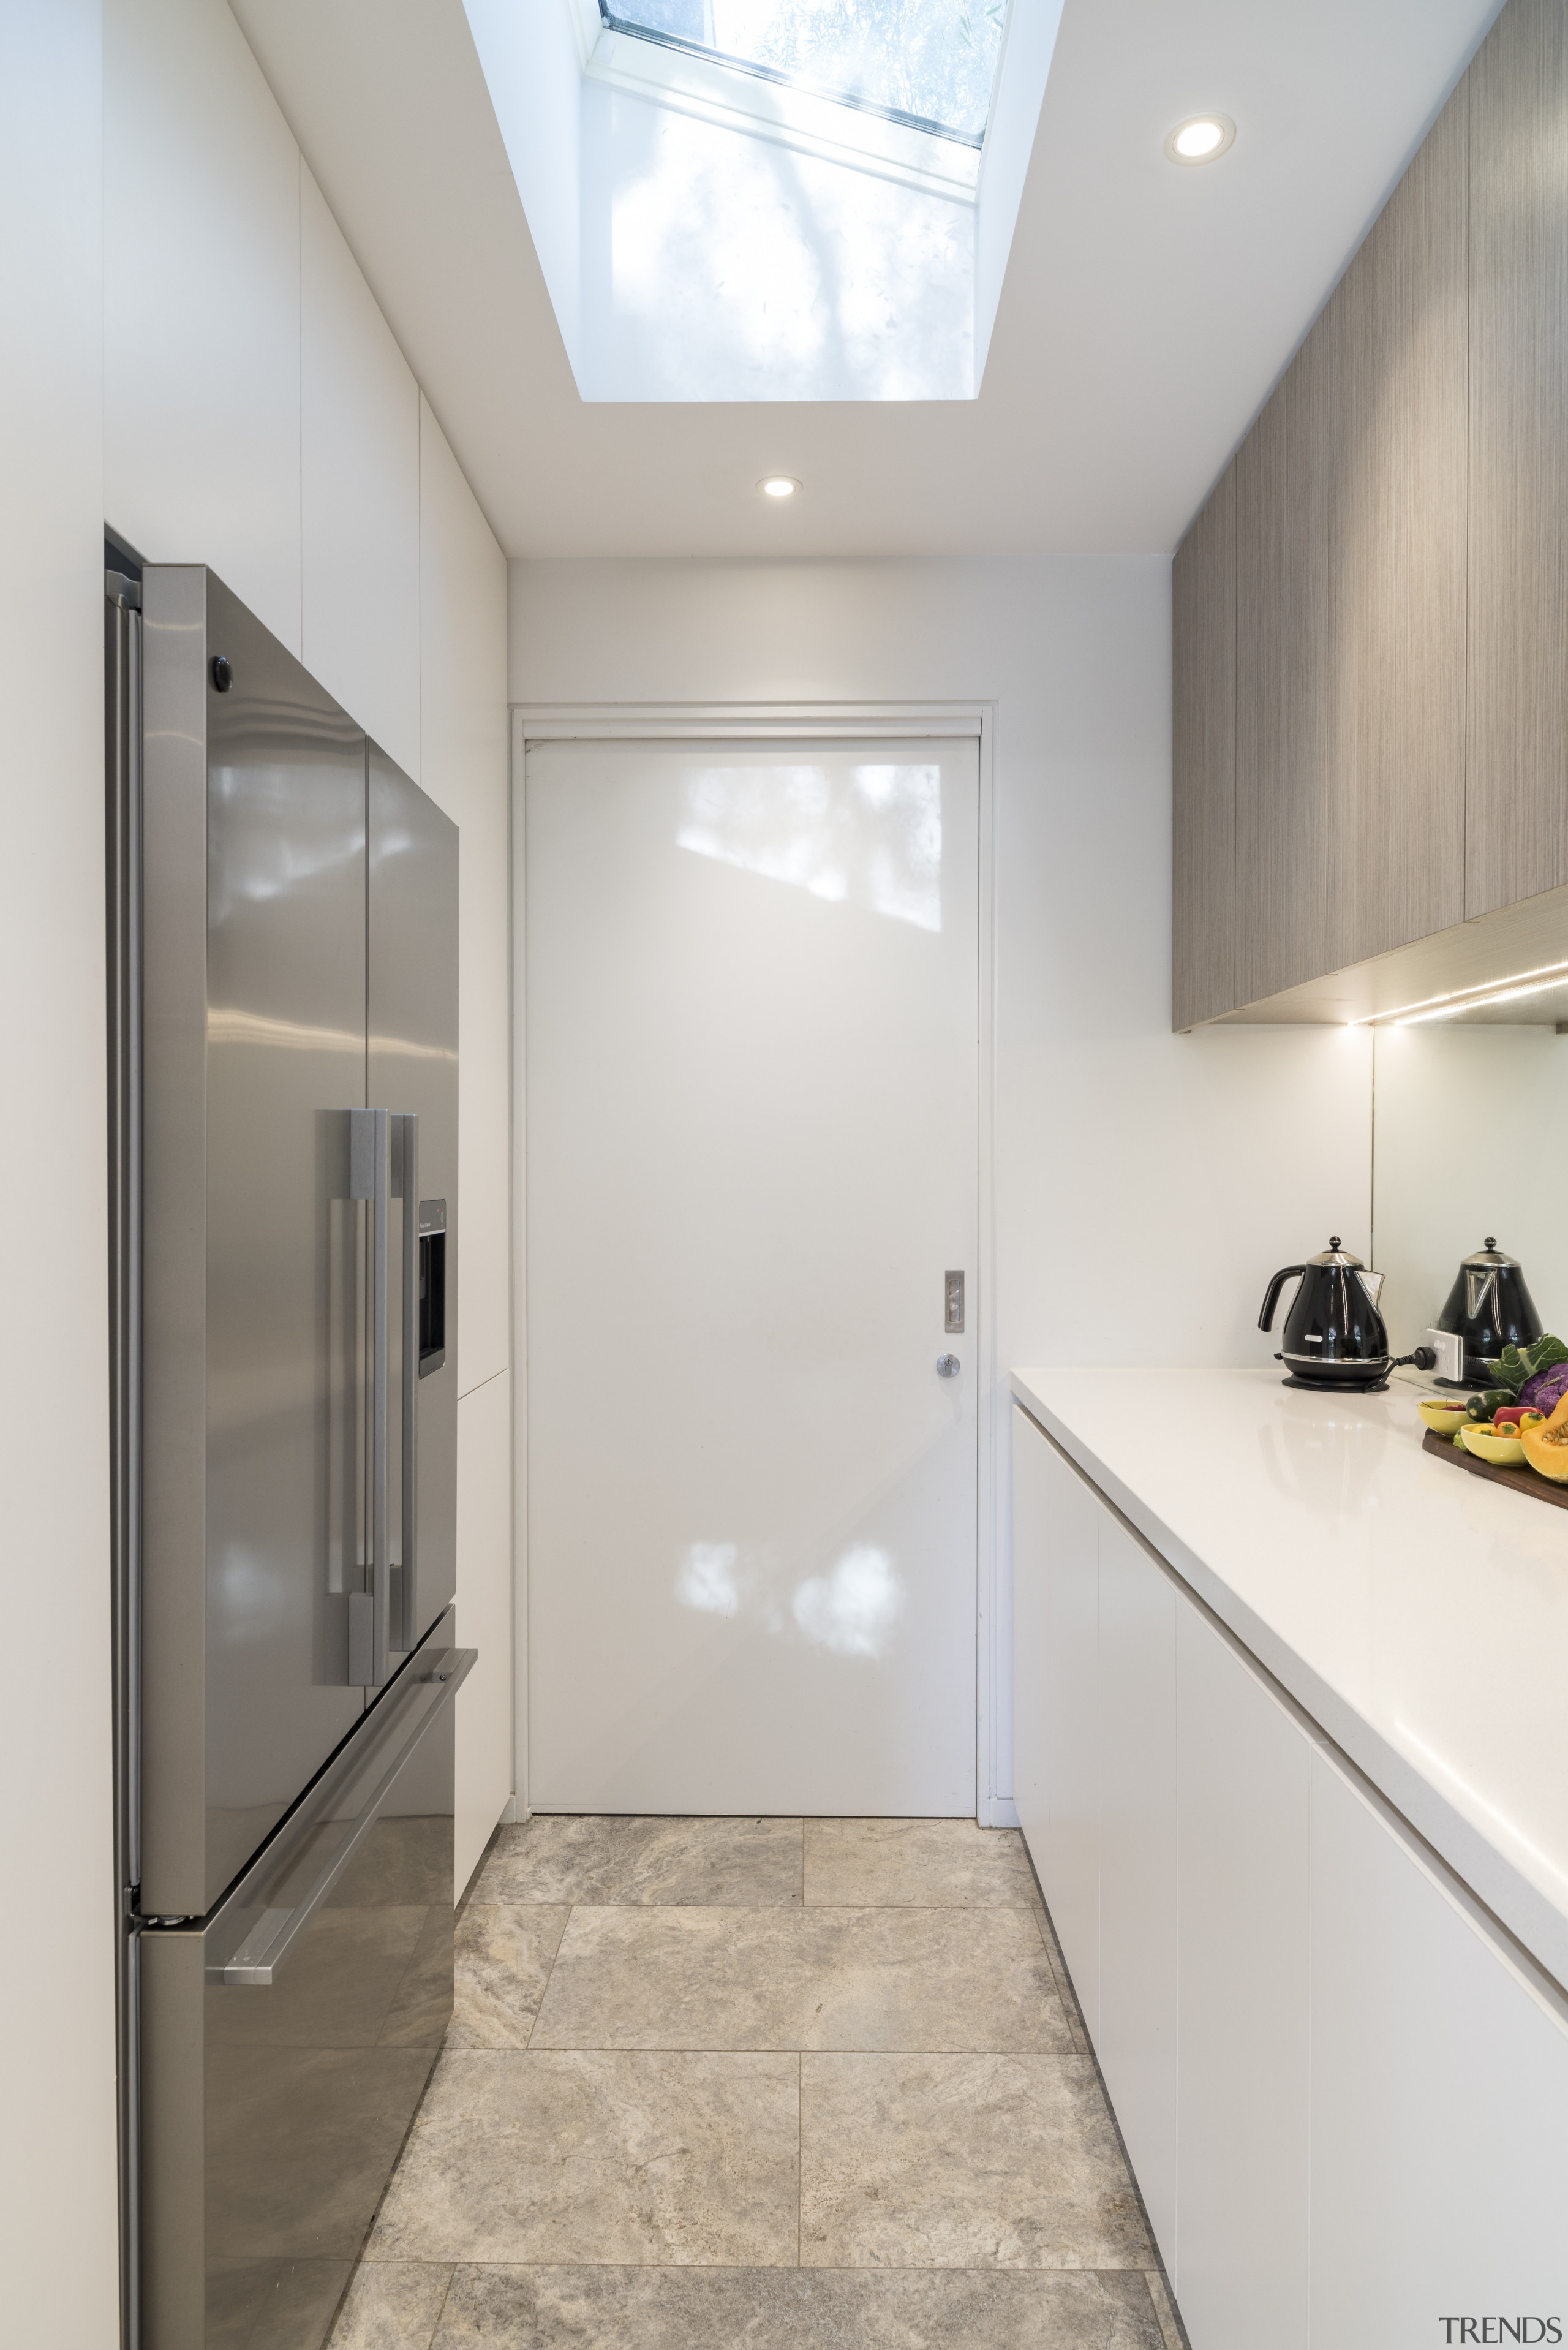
(1333, 1240)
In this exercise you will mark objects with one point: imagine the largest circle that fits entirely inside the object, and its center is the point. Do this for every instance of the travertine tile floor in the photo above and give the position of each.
(714, 2083)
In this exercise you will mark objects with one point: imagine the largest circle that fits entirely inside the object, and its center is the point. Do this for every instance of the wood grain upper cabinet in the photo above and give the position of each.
(1397, 336)
(1517, 812)
(1397, 592)
(1203, 664)
(1282, 897)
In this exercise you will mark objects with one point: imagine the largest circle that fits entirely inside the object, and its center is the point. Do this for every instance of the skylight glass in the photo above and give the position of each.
(928, 63)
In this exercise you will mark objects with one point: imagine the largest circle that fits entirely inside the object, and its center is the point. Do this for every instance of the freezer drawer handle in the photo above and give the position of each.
(255, 1963)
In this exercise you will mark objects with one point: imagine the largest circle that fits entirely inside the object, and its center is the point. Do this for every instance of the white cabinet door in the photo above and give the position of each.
(1034, 1464)
(1073, 1841)
(1244, 1796)
(1137, 1864)
(1439, 2088)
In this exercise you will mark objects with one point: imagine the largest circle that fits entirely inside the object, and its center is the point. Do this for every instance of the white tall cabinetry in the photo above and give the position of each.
(1341, 2093)
(263, 420)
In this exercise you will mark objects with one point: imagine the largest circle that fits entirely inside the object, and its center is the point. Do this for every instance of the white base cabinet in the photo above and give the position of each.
(1136, 1809)
(1036, 1483)
(1243, 1779)
(1438, 2101)
(1345, 2098)
(1072, 1877)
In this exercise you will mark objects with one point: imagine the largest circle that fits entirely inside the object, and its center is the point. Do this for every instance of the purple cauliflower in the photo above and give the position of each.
(1545, 1391)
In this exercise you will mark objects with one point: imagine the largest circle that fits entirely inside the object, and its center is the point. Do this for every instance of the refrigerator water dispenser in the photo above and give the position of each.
(433, 1285)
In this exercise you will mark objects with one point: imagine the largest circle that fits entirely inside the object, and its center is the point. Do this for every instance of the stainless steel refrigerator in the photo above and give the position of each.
(283, 1073)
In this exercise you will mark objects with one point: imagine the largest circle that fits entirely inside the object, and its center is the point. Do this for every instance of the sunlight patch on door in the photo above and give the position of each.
(706, 1580)
(853, 1610)
(869, 837)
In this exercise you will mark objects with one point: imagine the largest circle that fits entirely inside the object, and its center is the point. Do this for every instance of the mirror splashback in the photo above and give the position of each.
(1469, 1140)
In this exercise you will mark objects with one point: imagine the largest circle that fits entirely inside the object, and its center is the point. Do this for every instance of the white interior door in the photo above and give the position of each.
(752, 1161)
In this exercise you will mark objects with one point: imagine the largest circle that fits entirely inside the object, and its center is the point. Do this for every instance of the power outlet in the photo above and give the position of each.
(1449, 1349)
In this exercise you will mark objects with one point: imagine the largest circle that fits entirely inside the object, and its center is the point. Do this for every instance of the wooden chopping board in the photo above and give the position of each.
(1522, 1480)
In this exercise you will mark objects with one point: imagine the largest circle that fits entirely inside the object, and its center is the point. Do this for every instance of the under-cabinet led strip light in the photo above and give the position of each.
(1479, 1003)
(1446, 1007)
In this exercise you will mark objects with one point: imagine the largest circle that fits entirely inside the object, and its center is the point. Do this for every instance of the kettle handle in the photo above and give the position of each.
(1272, 1295)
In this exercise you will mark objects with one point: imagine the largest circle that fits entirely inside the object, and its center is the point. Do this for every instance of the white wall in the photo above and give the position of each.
(160, 231)
(57, 2141)
(1145, 1184)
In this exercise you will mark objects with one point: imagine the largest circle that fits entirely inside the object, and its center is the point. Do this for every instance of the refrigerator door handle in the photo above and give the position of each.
(255, 1965)
(371, 1179)
(407, 1125)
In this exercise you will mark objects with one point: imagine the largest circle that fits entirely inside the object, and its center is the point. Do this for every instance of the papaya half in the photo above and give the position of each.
(1546, 1446)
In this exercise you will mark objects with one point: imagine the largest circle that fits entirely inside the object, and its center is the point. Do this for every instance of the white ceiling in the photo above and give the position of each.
(1147, 309)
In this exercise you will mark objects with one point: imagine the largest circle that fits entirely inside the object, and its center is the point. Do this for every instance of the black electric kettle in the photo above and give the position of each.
(1489, 1307)
(1335, 1335)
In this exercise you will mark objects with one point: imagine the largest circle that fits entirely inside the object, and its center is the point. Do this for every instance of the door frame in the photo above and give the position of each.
(783, 721)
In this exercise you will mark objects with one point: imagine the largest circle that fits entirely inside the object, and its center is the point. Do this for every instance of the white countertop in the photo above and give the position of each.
(1418, 1615)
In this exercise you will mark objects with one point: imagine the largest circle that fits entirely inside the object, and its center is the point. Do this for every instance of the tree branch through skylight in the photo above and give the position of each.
(930, 63)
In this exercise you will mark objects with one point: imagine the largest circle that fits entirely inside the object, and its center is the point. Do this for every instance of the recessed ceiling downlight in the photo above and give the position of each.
(779, 485)
(1201, 139)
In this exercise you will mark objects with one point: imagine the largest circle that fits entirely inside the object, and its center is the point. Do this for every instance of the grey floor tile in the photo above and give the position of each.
(963, 2162)
(923, 1864)
(794, 2309)
(395, 2306)
(535, 2155)
(504, 1953)
(878, 1979)
(679, 1863)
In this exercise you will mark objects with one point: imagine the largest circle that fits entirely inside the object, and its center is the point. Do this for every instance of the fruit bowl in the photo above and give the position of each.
(1504, 1450)
(1444, 1413)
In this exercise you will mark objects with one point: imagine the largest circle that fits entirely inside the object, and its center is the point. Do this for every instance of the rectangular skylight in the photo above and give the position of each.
(930, 64)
